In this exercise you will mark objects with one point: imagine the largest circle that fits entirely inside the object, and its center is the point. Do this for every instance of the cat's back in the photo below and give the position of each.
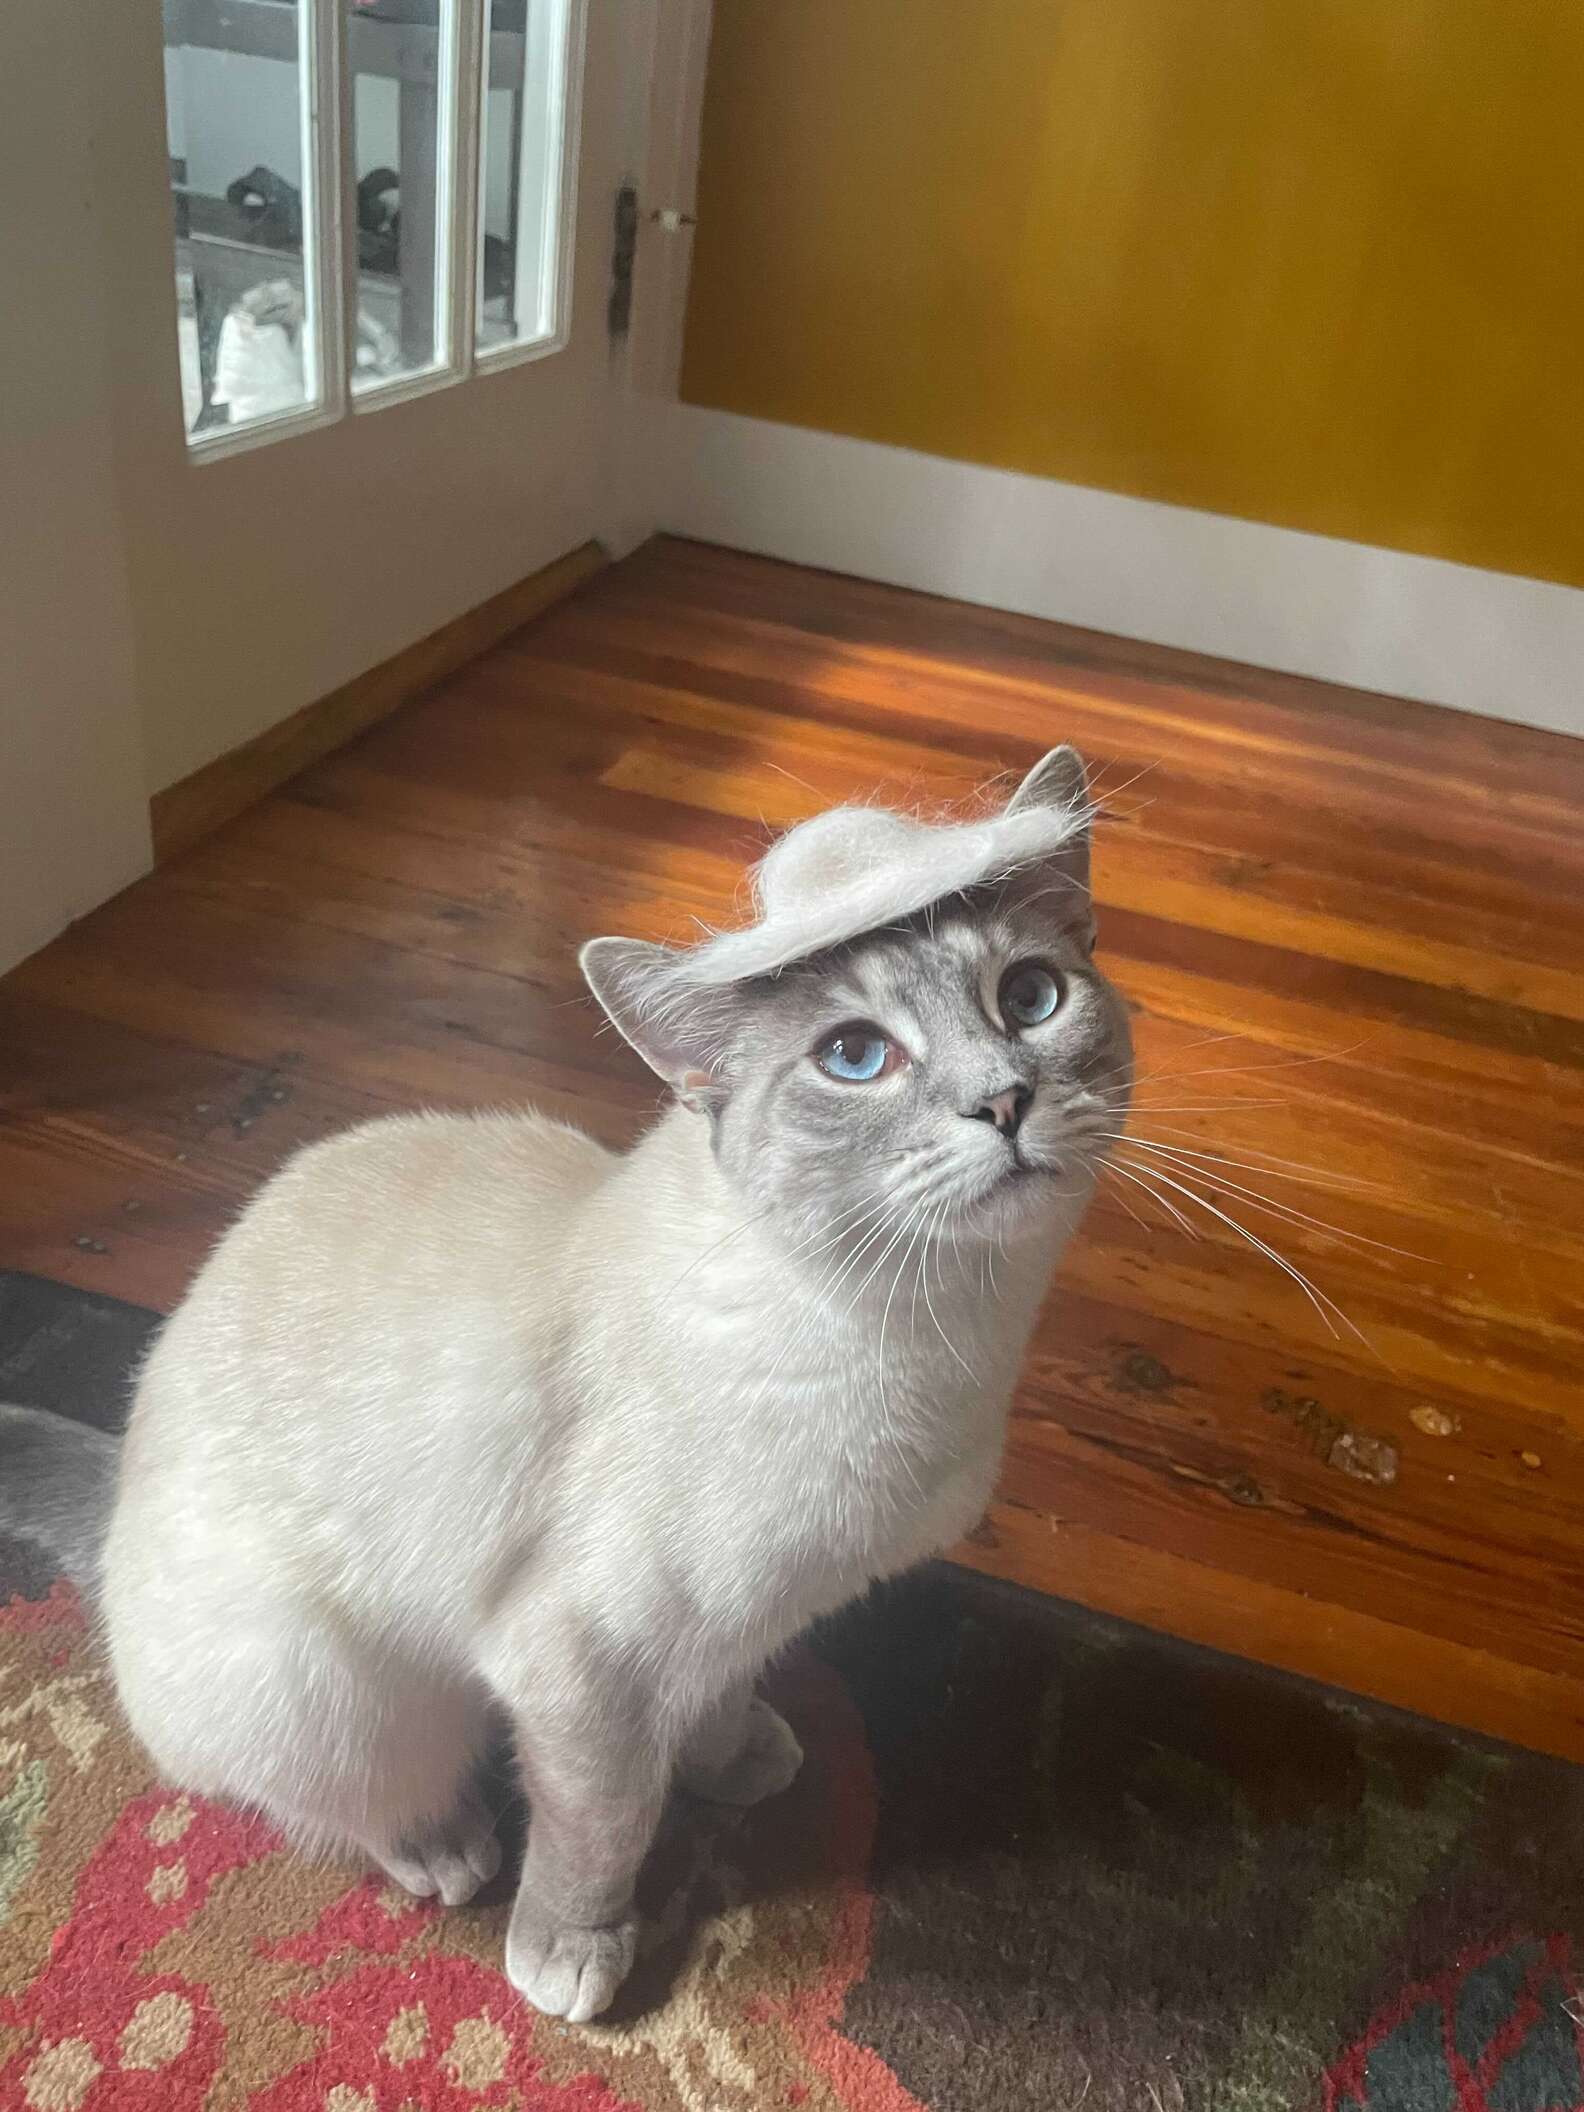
(436, 1164)
(359, 1385)
(394, 1197)
(406, 1243)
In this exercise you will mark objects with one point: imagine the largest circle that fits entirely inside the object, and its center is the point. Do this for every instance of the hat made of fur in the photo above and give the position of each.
(852, 870)
(843, 873)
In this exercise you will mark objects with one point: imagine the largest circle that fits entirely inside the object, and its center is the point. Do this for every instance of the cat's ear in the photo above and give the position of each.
(679, 1030)
(1056, 780)
(1060, 780)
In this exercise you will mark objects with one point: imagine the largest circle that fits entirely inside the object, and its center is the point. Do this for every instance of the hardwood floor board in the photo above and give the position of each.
(454, 1035)
(1351, 930)
(1251, 721)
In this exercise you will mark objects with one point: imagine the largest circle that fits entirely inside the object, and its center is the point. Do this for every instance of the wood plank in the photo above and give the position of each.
(1352, 933)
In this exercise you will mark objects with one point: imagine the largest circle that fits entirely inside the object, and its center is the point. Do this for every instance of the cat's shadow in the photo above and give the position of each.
(1006, 1753)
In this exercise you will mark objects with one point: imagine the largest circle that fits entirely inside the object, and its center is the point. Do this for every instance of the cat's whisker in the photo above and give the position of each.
(1254, 1196)
(876, 1232)
(1249, 1070)
(951, 1220)
(1264, 1164)
(1276, 1169)
(730, 1233)
(1099, 798)
(1163, 1202)
(840, 1223)
(1122, 1199)
(929, 1307)
(845, 1225)
(1205, 1041)
(885, 1255)
(782, 771)
(1322, 1304)
(1200, 1107)
(812, 1317)
(885, 1315)
(918, 1277)
(896, 1223)
(1261, 1161)
(835, 1245)
(932, 1252)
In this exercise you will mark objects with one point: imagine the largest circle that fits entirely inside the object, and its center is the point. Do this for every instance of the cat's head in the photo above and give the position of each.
(915, 1028)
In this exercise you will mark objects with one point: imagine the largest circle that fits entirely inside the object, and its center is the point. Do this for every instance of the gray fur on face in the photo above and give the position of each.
(815, 1151)
(818, 1148)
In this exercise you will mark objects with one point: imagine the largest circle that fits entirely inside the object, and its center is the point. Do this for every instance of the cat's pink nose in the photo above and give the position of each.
(1005, 1109)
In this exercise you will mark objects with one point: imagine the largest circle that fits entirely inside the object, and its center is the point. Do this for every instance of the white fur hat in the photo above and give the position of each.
(857, 869)
(833, 878)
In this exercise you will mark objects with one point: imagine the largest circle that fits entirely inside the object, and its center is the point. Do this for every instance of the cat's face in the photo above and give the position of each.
(955, 1068)
(959, 1071)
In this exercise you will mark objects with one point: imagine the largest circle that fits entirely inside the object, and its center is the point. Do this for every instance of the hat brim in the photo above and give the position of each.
(939, 863)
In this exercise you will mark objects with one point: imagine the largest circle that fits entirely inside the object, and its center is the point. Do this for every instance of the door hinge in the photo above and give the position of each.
(624, 253)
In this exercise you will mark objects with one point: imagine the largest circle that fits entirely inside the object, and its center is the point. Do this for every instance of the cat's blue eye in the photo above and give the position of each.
(857, 1054)
(1030, 993)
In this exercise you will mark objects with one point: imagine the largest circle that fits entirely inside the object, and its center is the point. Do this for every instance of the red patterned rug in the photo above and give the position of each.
(1036, 1861)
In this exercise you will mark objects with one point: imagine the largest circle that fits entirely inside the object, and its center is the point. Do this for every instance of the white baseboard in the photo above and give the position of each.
(1487, 642)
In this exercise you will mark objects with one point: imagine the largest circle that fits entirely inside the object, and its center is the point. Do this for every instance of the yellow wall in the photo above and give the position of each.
(1318, 262)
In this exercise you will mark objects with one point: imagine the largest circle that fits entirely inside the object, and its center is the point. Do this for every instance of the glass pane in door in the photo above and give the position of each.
(236, 100)
(398, 53)
(527, 59)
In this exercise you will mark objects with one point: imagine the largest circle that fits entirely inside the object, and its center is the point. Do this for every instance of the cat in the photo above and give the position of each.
(468, 1415)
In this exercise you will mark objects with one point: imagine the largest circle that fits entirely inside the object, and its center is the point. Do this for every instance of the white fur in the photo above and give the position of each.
(856, 869)
(461, 1398)
(468, 1413)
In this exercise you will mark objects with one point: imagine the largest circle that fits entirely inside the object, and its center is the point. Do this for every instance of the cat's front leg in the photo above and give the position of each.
(596, 1765)
(741, 1751)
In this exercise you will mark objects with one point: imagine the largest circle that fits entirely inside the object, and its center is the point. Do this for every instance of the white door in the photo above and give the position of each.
(321, 356)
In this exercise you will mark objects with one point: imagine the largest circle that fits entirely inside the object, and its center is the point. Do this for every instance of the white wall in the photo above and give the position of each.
(73, 805)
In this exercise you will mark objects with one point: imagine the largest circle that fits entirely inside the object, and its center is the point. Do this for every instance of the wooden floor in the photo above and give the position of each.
(1353, 933)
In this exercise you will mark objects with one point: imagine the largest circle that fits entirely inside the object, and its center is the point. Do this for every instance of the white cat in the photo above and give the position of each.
(467, 1414)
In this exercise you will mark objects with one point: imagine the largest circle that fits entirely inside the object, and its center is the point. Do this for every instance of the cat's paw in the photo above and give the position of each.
(567, 1972)
(452, 1862)
(766, 1763)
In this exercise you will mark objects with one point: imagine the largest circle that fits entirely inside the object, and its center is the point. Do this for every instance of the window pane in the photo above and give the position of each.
(397, 52)
(520, 176)
(235, 100)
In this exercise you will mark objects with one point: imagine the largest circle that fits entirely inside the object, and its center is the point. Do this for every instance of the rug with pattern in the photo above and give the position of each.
(1037, 1861)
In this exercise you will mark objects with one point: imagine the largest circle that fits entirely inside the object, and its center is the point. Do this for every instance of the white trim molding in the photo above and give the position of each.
(1489, 642)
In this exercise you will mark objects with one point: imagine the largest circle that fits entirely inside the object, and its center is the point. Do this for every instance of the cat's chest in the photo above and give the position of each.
(840, 1446)
(870, 1376)
(819, 1522)
(853, 1466)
